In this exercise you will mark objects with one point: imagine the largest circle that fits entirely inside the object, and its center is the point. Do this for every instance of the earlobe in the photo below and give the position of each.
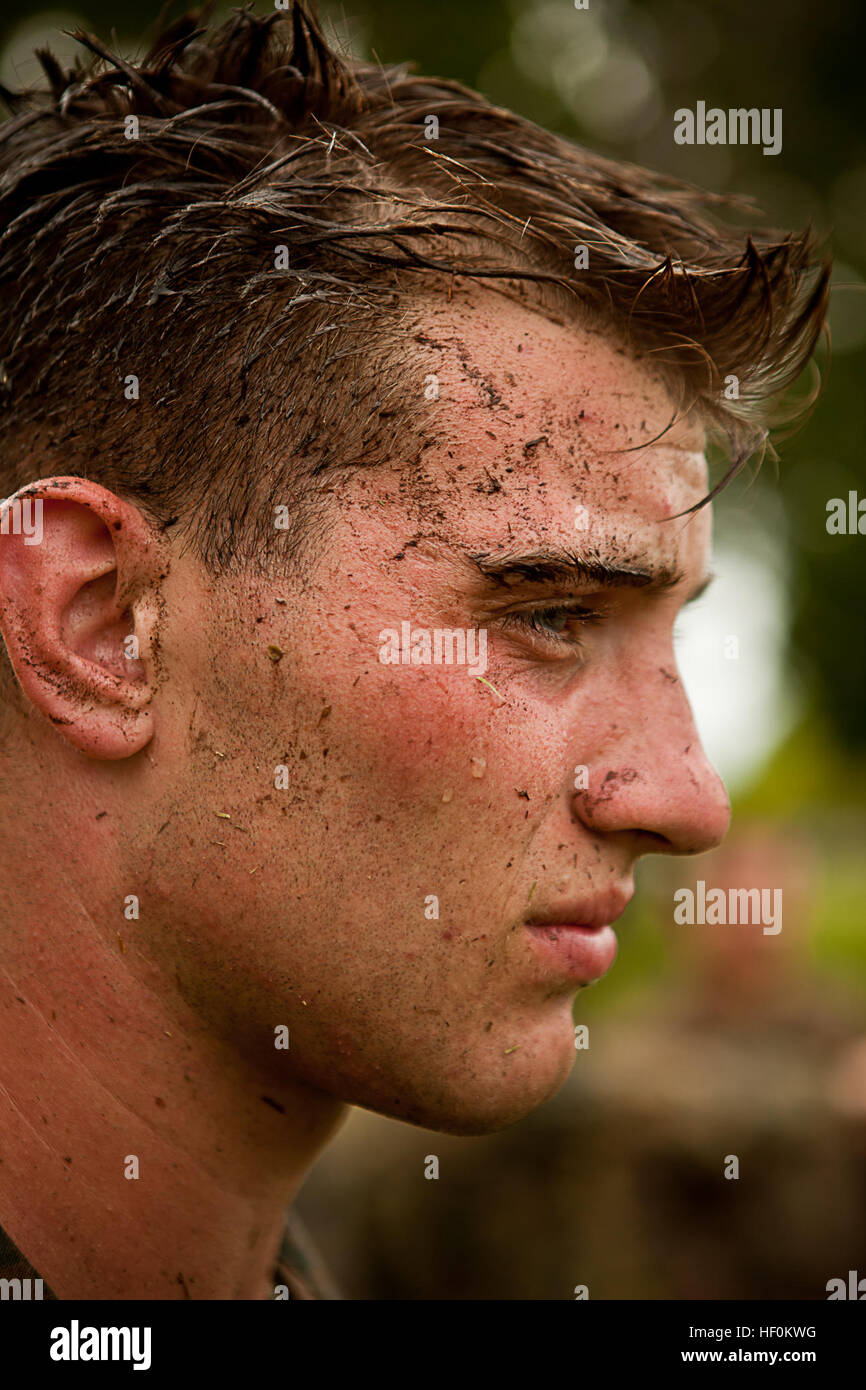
(76, 612)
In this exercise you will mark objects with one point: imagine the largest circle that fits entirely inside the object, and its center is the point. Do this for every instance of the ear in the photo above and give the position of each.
(79, 571)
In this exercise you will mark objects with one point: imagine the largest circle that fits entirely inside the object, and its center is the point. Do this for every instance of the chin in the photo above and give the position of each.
(488, 1098)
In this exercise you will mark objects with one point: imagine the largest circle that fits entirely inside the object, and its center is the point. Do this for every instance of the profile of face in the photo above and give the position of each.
(377, 853)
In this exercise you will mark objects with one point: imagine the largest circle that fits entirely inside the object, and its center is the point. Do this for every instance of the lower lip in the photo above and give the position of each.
(583, 954)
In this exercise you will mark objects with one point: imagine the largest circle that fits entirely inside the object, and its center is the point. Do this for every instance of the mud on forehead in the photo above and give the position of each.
(526, 416)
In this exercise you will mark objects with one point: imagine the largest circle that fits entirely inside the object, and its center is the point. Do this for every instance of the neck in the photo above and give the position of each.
(140, 1156)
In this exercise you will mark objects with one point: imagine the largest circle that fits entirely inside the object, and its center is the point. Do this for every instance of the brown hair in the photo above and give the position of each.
(156, 256)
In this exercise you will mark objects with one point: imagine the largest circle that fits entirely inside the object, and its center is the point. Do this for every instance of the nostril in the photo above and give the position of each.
(655, 843)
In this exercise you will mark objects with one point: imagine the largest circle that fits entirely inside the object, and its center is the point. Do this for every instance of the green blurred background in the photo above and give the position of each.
(704, 1042)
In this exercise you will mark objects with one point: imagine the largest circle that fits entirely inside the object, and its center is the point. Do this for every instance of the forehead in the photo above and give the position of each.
(544, 430)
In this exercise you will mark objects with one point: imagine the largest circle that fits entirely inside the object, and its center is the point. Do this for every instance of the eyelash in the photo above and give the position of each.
(528, 621)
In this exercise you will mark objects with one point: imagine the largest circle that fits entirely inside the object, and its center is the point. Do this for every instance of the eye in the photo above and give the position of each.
(555, 624)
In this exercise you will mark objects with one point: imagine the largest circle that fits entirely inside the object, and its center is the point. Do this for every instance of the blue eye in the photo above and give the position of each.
(554, 623)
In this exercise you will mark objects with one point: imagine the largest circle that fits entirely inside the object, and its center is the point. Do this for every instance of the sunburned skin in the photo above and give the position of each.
(309, 904)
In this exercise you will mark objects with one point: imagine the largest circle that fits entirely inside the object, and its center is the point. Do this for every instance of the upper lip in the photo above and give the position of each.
(597, 911)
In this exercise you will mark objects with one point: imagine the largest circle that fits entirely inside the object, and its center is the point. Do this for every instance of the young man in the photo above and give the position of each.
(354, 447)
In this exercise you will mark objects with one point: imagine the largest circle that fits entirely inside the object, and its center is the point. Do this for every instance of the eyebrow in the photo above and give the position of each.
(555, 565)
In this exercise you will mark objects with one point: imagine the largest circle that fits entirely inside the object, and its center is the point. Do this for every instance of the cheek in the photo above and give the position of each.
(454, 774)
(421, 733)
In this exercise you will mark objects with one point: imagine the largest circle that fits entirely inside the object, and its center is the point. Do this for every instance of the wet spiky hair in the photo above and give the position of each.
(141, 206)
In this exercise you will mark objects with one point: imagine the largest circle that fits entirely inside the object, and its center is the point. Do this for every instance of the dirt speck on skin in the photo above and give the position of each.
(609, 786)
(492, 485)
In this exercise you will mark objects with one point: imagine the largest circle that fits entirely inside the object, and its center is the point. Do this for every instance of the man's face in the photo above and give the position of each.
(378, 900)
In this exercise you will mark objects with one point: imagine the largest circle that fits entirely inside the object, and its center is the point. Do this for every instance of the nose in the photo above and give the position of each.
(650, 776)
